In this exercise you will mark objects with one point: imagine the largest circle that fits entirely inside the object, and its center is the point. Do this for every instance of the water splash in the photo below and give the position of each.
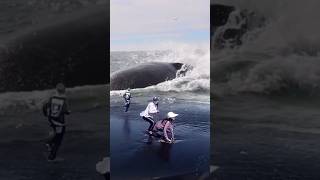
(280, 55)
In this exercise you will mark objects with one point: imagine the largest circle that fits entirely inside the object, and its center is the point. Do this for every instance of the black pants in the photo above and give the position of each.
(151, 121)
(55, 142)
(127, 105)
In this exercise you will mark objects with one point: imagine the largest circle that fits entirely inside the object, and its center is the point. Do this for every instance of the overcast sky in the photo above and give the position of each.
(153, 24)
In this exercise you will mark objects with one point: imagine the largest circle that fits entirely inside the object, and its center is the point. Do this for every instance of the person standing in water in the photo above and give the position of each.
(56, 109)
(166, 126)
(149, 113)
(127, 97)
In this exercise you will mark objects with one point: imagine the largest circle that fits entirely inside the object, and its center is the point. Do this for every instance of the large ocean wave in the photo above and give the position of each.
(195, 80)
(273, 48)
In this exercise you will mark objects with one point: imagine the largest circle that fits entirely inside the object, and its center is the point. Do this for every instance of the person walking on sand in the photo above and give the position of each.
(149, 113)
(166, 126)
(56, 109)
(127, 97)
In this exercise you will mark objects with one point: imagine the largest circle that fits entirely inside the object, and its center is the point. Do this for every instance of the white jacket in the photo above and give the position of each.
(150, 110)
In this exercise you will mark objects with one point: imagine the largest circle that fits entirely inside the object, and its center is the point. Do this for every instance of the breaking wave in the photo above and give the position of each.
(273, 49)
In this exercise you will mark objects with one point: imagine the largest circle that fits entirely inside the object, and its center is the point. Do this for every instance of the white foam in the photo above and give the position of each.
(14, 102)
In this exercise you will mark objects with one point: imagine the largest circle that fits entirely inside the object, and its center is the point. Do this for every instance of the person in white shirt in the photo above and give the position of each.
(149, 112)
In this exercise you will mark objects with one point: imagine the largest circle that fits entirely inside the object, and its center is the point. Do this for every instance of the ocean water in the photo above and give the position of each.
(132, 151)
(266, 91)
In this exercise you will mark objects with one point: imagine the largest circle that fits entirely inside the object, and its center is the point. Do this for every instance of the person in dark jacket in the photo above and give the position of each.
(56, 109)
(127, 96)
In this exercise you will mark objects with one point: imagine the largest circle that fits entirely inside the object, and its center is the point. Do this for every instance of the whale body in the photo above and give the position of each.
(72, 50)
(144, 75)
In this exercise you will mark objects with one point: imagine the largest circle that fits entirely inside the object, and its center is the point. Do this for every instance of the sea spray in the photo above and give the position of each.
(278, 57)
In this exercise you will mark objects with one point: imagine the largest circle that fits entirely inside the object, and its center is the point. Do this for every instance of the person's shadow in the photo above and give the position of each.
(126, 126)
(165, 151)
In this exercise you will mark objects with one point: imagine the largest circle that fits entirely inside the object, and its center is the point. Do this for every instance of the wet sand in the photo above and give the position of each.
(22, 146)
(136, 156)
(275, 140)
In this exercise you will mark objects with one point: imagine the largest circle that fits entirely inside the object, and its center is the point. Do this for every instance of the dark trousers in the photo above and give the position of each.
(55, 142)
(151, 122)
(127, 105)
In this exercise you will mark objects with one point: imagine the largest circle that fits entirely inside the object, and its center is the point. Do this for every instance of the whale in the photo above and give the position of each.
(144, 75)
(71, 49)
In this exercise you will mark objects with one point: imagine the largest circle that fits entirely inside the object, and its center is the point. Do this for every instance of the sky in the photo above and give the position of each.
(158, 24)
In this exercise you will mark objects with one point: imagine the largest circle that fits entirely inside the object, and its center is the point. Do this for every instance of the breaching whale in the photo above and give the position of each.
(144, 75)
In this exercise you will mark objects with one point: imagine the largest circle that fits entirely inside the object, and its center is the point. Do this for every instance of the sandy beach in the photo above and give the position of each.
(141, 157)
(22, 146)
